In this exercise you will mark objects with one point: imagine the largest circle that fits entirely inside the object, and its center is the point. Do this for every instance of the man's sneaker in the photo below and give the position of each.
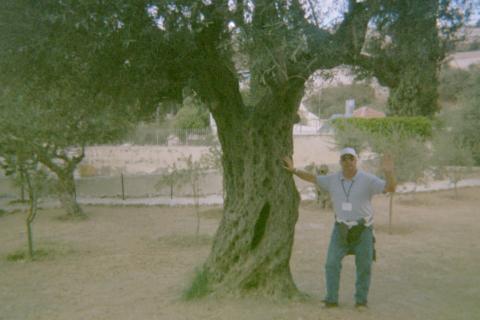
(328, 304)
(361, 306)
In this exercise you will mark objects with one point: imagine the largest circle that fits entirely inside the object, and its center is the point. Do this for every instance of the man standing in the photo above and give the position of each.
(351, 191)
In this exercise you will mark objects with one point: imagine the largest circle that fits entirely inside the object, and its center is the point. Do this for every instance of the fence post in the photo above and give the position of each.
(123, 186)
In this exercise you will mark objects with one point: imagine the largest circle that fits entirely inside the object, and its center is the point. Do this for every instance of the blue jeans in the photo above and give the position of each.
(363, 251)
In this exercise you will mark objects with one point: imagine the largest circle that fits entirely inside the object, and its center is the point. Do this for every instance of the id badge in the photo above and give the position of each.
(346, 206)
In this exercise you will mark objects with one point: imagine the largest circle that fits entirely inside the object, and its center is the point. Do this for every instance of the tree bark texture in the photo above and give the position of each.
(63, 166)
(67, 193)
(253, 244)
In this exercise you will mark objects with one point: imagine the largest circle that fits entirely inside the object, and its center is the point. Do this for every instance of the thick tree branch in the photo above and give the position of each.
(381, 68)
(218, 83)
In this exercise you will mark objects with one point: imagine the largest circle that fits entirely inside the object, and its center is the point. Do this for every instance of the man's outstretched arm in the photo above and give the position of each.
(288, 165)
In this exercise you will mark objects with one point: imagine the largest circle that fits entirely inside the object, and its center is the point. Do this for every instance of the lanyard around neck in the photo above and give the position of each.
(347, 193)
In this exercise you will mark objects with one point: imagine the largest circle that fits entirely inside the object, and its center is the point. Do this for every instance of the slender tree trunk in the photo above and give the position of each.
(30, 218)
(31, 214)
(22, 187)
(22, 193)
(253, 244)
(123, 186)
(390, 213)
(196, 205)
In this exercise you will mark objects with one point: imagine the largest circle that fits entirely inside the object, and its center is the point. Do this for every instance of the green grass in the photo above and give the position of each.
(42, 251)
(17, 256)
(22, 255)
(199, 287)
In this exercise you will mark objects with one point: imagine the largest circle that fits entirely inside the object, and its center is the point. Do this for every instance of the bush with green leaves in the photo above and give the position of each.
(451, 158)
(407, 126)
(467, 129)
(452, 83)
(192, 115)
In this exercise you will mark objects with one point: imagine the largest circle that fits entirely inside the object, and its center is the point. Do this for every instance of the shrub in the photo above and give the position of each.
(467, 129)
(452, 83)
(409, 126)
(22, 255)
(191, 117)
(199, 286)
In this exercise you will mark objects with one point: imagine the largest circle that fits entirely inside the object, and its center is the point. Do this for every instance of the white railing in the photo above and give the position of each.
(172, 136)
(207, 136)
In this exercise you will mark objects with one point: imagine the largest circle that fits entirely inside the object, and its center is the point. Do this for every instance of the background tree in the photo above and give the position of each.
(17, 160)
(152, 49)
(413, 39)
(55, 130)
(56, 90)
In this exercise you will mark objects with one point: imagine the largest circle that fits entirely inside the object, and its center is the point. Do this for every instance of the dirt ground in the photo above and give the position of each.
(134, 263)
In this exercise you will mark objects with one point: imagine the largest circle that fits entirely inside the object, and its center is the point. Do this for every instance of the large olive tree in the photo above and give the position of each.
(248, 61)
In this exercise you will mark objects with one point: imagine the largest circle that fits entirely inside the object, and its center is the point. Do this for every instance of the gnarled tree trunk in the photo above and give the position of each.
(67, 193)
(253, 244)
(63, 166)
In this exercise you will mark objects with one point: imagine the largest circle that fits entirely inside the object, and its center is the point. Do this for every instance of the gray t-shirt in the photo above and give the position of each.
(358, 192)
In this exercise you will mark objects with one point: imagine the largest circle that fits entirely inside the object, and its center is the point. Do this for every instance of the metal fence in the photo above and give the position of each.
(150, 135)
(125, 186)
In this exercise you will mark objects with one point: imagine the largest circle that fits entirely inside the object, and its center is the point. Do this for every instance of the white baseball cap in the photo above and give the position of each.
(348, 150)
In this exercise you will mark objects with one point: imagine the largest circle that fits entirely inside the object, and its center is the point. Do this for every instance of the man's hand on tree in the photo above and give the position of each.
(288, 164)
